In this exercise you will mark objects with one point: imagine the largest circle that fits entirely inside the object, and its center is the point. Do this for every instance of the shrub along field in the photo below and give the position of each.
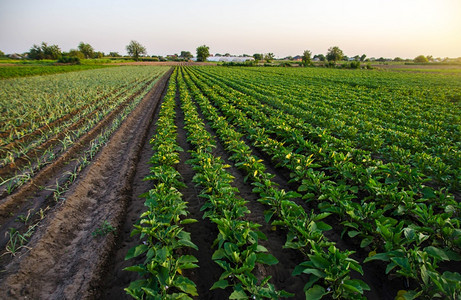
(256, 183)
(21, 71)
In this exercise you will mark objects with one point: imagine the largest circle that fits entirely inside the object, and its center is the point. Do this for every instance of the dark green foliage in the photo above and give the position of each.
(86, 49)
(186, 55)
(258, 56)
(44, 51)
(321, 57)
(249, 63)
(203, 52)
(75, 53)
(352, 65)
(69, 60)
(334, 54)
(307, 58)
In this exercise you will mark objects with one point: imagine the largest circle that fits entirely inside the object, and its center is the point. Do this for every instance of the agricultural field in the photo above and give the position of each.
(12, 71)
(207, 182)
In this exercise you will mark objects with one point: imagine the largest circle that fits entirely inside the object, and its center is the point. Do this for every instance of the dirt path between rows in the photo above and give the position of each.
(65, 260)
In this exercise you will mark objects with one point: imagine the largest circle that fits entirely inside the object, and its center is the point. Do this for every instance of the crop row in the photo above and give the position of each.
(400, 242)
(160, 228)
(238, 249)
(21, 160)
(329, 267)
(19, 235)
(22, 71)
(385, 184)
(38, 101)
(345, 113)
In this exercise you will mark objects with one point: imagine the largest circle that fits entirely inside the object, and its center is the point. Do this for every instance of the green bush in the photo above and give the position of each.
(248, 63)
(69, 60)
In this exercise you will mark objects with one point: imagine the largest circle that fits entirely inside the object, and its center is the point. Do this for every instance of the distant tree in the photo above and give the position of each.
(86, 49)
(306, 58)
(321, 57)
(246, 55)
(430, 58)
(44, 51)
(76, 53)
(36, 52)
(135, 50)
(357, 58)
(114, 54)
(334, 54)
(227, 55)
(398, 59)
(258, 56)
(51, 52)
(98, 54)
(345, 57)
(363, 57)
(186, 55)
(420, 59)
(203, 52)
(2, 54)
(269, 57)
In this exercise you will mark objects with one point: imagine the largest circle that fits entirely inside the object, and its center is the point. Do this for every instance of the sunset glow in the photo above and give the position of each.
(377, 28)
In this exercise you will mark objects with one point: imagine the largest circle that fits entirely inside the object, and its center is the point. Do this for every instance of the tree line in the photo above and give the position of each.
(137, 50)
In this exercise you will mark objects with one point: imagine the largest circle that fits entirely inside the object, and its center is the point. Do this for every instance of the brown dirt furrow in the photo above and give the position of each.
(65, 260)
(10, 204)
(113, 278)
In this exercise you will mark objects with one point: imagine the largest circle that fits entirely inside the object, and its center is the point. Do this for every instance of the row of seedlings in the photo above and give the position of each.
(328, 267)
(160, 229)
(23, 158)
(352, 178)
(19, 236)
(410, 205)
(432, 154)
(238, 250)
(399, 242)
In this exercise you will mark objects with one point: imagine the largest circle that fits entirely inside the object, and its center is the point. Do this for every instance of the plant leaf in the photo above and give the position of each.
(316, 292)
(266, 258)
(221, 284)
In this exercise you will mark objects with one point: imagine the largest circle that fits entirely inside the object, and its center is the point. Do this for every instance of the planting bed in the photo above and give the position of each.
(245, 183)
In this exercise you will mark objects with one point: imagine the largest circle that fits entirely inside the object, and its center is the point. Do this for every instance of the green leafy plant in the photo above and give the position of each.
(104, 229)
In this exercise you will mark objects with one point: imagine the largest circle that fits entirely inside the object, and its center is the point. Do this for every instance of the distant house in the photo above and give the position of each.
(298, 58)
(15, 56)
(229, 58)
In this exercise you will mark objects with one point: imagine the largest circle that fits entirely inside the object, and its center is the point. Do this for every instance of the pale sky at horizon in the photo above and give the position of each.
(378, 28)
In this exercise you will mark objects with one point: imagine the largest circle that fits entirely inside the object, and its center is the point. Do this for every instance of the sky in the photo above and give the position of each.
(377, 28)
